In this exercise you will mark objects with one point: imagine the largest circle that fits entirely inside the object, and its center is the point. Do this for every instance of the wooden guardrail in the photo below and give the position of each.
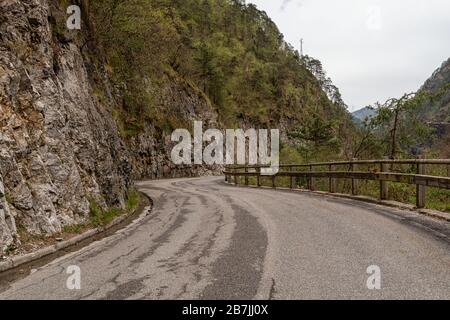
(383, 172)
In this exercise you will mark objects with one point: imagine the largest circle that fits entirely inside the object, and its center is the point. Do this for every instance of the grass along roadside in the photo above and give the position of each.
(98, 218)
(436, 199)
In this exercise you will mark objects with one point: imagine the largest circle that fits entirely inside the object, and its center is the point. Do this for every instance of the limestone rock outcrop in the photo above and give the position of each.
(60, 147)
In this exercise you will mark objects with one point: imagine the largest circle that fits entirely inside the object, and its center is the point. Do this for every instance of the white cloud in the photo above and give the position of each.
(372, 49)
(374, 18)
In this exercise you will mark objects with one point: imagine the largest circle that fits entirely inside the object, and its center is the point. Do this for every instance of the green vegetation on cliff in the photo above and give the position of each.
(231, 53)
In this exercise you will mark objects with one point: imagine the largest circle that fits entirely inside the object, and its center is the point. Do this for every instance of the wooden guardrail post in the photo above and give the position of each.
(354, 167)
(420, 190)
(384, 189)
(384, 175)
(311, 180)
(308, 180)
(258, 176)
(293, 179)
(332, 181)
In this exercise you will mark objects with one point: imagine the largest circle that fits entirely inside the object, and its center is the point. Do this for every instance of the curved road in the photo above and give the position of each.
(208, 240)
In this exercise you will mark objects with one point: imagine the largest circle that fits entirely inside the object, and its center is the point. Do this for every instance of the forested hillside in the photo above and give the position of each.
(417, 123)
(436, 113)
(231, 53)
(438, 110)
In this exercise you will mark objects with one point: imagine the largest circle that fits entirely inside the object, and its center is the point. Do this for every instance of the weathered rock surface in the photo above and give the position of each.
(59, 146)
(7, 223)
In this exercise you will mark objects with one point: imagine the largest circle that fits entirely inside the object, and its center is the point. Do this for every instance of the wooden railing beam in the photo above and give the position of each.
(384, 176)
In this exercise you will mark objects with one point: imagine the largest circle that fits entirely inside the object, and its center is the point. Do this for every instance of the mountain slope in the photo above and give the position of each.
(61, 148)
(84, 113)
(438, 111)
(364, 113)
(231, 53)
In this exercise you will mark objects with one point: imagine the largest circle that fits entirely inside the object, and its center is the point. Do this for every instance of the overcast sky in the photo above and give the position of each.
(371, 49)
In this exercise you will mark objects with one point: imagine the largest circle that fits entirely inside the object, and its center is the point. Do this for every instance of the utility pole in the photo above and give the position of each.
(301, 47)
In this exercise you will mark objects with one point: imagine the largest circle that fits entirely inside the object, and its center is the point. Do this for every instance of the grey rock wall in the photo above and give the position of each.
(60, 147)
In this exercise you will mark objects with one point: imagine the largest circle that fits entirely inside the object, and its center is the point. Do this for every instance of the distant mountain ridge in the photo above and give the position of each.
(364, 113)
(436, 111)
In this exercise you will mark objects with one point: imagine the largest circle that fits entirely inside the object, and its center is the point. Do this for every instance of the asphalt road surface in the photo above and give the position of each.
(208, 240)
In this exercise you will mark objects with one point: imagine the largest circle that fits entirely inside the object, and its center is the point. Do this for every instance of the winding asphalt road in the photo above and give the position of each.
(208, 240)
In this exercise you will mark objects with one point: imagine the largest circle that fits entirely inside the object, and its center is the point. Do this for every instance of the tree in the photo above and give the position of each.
(314, 133)
(398, 123)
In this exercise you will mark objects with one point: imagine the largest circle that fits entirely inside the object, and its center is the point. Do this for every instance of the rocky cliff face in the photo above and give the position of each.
(67, 134)
(150, 150)
(7, 223)
(59, 146)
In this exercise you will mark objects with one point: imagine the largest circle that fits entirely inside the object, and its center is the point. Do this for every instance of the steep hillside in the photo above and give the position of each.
(438, 110)
(364, 113)
(60, 146)
(231, 53)
(84, 113)
(436, 113)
